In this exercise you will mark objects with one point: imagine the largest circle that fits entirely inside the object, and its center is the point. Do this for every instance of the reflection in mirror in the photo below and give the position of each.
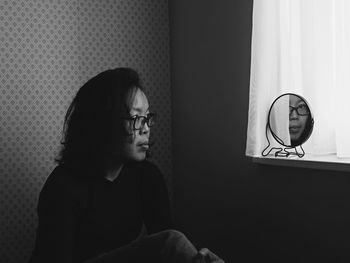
(300, 124)
(290, 121)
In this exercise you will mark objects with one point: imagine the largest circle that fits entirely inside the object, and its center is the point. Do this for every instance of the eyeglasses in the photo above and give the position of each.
(138, 122)
(302, 110)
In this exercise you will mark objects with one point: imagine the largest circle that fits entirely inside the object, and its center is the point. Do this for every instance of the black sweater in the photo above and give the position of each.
(81, 216)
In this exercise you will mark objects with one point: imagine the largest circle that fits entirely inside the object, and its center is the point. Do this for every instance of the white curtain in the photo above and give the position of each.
(302, 47)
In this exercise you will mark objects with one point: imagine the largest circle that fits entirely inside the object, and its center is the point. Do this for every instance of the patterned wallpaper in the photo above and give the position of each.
(48, 49)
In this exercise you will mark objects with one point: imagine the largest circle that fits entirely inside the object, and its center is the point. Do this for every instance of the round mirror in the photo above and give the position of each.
(290, 120)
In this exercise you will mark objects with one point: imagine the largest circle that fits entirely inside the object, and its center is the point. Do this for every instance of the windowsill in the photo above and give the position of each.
(324, 162)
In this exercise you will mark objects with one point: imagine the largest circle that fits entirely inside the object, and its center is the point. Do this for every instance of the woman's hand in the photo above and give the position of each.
(206, 256)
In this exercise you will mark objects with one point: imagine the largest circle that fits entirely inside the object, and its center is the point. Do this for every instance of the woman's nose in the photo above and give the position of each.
(293, 114)
(145, 128)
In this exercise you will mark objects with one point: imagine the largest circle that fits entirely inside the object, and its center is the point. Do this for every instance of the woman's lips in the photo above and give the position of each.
(294, 129)
(144, 146)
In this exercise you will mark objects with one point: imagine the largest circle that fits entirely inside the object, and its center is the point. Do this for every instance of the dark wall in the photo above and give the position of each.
(224, 201)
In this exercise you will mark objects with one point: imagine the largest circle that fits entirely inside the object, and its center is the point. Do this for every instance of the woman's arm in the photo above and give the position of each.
(155, 199)
(156, 207)
(58, 212)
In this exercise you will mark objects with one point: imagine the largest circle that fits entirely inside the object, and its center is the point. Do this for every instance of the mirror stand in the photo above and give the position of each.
(283, 151)
(289, 151)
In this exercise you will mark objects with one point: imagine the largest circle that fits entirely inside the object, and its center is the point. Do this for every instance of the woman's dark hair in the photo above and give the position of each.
(93, 130)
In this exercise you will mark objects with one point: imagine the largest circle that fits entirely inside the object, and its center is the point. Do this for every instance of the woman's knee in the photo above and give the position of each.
(177, 246)
(174, 236)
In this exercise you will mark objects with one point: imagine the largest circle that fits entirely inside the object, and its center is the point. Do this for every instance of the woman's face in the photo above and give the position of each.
(137, 144)
(297, 122)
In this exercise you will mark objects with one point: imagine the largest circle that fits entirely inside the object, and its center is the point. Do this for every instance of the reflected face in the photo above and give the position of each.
(137, 145)
(297, 122)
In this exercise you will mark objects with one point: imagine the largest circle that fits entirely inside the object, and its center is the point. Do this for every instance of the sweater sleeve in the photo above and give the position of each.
(58, 215)
(155, 200)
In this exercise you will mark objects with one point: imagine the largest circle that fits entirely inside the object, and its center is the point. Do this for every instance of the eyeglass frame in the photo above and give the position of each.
(296, 109)
(146, 119)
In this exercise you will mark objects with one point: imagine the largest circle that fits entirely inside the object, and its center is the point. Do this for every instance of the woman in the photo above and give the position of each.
(95, 203)
(300, 121)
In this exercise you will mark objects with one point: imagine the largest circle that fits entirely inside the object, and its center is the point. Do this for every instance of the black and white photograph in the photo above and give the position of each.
(174, 131)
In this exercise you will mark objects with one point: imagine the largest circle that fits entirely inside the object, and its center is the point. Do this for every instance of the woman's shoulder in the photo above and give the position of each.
(63, 184)
(63, 177)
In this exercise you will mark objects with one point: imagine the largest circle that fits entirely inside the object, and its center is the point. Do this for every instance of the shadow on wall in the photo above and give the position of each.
(18, 214)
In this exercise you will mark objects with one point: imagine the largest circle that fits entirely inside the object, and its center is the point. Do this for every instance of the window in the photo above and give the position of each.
(302, 47)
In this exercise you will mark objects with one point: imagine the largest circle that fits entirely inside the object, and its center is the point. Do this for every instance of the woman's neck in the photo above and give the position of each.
(114, 172)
